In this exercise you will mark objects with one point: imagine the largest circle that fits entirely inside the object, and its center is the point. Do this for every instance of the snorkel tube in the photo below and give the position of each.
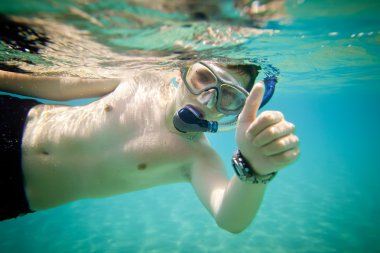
(269, 84)
(189, 119)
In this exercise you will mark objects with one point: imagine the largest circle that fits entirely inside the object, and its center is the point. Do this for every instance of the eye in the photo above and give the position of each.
(199, 77)
(204, 76)
(231, 99)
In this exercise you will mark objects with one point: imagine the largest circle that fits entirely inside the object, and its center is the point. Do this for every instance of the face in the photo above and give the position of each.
(243, 78)
(215, 90)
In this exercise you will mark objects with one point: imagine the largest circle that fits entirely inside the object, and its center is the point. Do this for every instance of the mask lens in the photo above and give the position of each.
(224, 76)
(200, 78)
(231, 99)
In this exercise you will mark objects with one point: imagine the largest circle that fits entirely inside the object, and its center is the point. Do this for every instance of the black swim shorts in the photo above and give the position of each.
(13, 113)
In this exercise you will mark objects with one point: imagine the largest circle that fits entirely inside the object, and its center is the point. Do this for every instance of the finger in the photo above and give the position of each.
(285, 158)
(280, 145)
(265, 120)
(252, 104)
(271, 133)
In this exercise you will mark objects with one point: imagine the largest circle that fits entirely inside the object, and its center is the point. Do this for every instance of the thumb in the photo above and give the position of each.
(252, 104)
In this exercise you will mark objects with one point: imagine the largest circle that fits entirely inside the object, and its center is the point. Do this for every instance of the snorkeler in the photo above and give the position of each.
(141, 133)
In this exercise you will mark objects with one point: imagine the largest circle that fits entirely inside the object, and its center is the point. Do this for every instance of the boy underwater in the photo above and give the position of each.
(141, 133)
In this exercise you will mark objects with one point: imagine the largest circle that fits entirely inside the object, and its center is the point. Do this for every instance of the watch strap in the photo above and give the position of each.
(246, 173)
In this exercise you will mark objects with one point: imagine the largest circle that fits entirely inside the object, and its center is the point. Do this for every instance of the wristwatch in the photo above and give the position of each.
(246, 173)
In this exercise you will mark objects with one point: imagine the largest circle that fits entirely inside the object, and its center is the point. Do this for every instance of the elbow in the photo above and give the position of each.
(232, 228)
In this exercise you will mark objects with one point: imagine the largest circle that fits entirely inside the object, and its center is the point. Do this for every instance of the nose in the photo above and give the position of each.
(208, 98)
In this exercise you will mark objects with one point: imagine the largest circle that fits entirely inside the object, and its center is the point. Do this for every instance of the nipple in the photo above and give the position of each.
(108, 108)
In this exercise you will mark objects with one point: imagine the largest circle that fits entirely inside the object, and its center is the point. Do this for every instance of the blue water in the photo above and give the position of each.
(328, 55)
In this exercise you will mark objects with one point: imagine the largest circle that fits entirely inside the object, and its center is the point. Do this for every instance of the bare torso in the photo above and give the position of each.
(117, 144)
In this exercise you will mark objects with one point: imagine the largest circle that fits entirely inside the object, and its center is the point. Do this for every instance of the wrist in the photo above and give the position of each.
(246, 173)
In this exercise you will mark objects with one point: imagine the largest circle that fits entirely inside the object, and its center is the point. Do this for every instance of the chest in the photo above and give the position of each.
(158, 151)
(146, 161)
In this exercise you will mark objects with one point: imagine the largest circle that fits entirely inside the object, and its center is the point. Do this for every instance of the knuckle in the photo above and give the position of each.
(282, 143)
(279, 114)
(283, 128)
(291, 126)
(271, 116)
(298, 153)
(267, 116)
(272, 131)
(285, 158)
(296, 139)
(291, 155)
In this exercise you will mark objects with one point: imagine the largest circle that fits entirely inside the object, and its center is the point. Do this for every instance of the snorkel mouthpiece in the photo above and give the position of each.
(189, 119)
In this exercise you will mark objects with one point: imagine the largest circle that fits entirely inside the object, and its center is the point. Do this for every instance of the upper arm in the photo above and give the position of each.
(209, 180)
(55, 88)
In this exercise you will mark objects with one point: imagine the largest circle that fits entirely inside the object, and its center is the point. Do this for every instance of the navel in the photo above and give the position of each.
(44, 153)
(142, 166)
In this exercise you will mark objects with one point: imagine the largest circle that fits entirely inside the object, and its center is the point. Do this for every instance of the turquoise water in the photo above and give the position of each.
(328, 55)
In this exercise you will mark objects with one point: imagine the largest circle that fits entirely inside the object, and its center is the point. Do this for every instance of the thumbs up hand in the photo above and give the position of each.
(267, 141)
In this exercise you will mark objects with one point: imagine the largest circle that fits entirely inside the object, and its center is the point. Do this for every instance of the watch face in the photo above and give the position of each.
(246, 174)
(237, 168)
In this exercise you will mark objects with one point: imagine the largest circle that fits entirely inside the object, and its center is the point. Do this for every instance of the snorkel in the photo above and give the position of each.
(189, 119)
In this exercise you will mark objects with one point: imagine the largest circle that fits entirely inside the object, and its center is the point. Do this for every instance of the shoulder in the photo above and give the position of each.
(149, 86)
(149, 80)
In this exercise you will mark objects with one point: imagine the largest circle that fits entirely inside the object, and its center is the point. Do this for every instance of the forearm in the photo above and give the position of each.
(55, 88)
(239, 205)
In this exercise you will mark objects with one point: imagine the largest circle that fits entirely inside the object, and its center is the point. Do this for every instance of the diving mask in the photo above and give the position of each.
(202, 77)
(231, 98)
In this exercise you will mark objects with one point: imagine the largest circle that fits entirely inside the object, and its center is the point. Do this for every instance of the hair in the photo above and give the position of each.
(249, 69)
